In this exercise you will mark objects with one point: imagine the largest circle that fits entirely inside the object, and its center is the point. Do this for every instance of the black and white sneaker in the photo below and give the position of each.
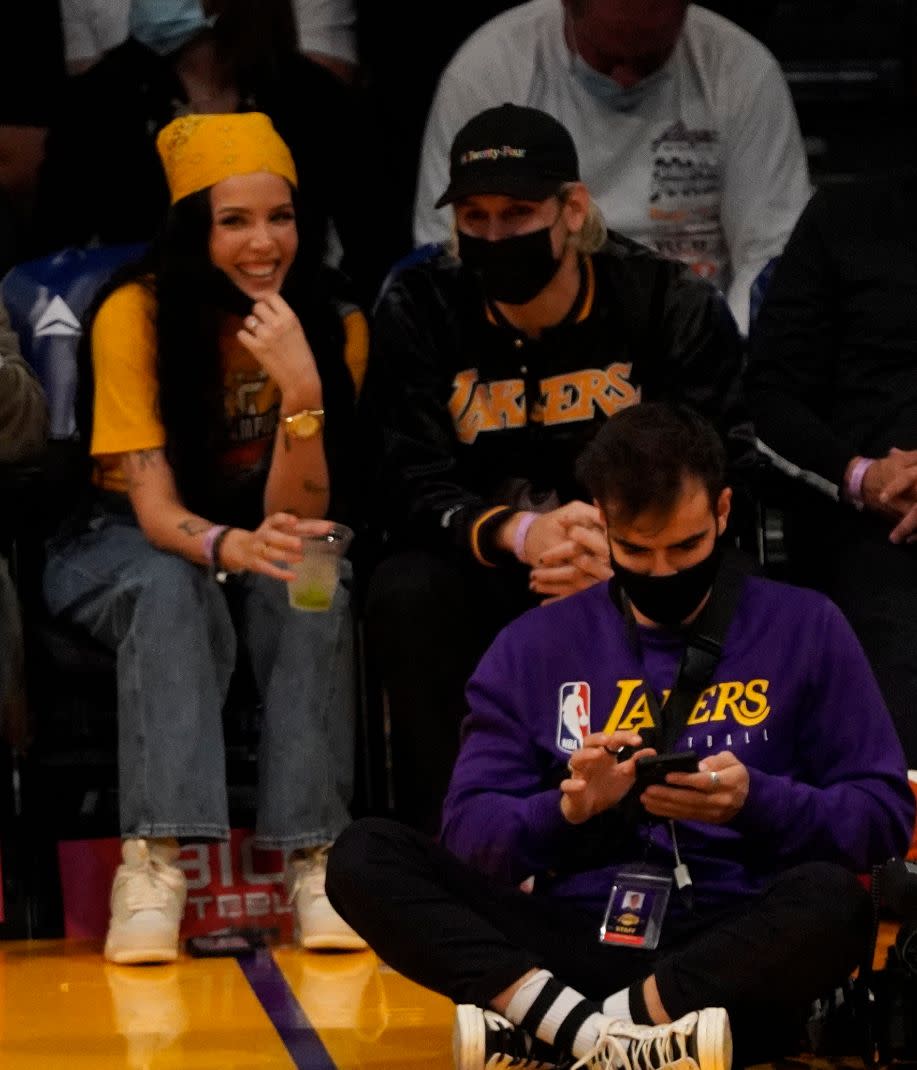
(484, 1040)
(700, 1040)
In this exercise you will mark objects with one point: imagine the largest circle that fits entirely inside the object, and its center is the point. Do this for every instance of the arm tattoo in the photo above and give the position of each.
(145, 458)
(136, 461)
(193, 527)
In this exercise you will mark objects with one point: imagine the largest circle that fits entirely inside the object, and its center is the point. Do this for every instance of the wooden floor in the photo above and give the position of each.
(62, 1006)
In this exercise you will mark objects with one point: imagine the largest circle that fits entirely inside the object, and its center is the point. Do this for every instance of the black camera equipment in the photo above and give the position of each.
(892, 991)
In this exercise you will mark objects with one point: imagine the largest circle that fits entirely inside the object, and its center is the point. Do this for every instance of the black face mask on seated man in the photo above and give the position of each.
(512, 270)
(669, 600)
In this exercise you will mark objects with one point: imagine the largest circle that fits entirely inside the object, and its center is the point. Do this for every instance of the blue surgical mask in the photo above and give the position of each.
(166, 25)
(604, 87)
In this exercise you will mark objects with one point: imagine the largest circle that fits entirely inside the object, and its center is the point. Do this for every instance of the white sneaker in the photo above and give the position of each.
(485, 1040)
(147, 904)
(317, 925)
(700, 1040)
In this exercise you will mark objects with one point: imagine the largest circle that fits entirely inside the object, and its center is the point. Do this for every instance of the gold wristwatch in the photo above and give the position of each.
(305, 424)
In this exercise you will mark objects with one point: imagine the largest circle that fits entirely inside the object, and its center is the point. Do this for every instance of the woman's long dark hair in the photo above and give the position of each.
(188, 367)
(192, 298)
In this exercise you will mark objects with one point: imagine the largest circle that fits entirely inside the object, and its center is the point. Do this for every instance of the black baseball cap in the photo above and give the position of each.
(510, 150)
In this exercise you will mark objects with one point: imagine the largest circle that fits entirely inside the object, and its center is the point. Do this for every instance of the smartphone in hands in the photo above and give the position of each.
(652, 768)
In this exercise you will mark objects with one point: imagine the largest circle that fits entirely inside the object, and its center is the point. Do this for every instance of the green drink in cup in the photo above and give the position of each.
(312, 589)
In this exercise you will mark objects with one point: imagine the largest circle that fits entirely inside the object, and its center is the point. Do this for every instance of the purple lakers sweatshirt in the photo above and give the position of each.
(793, 697)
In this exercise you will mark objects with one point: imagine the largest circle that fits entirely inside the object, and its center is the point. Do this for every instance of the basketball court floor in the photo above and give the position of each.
(63, 1008)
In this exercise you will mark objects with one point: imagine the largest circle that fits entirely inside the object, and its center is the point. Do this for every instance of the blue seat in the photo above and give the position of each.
(47, 300)
(421, 255)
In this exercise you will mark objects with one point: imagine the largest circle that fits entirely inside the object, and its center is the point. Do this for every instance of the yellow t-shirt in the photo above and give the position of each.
(126, 413)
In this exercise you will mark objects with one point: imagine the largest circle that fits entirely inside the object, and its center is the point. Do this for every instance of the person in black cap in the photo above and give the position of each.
(492, 365)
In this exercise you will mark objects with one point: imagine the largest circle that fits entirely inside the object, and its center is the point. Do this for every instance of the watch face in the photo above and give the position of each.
(303, 425)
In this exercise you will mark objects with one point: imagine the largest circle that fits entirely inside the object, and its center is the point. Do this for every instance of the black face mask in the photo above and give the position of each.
(513, 270)
(669, 600)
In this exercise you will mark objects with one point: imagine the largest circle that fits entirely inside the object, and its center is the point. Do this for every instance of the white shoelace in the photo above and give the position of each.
(627, 1047)
(310, 874)
(511, 1038)
(146, 886)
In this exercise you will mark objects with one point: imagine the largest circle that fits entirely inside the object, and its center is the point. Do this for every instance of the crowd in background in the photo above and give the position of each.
(365, 44)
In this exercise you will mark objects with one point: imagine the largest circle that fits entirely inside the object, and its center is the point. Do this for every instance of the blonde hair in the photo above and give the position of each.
(589, 239)
(593, 234)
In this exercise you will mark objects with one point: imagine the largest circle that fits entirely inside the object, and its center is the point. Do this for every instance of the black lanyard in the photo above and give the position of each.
(704, 641)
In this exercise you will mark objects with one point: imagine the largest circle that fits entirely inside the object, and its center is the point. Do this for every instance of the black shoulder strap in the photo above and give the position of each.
(703, 650)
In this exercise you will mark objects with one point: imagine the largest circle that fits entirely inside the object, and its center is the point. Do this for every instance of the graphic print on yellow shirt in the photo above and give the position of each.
(251, 403)
(126, 409)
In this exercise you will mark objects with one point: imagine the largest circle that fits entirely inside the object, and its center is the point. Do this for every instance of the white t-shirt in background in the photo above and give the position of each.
(703, 161)
(93, 27)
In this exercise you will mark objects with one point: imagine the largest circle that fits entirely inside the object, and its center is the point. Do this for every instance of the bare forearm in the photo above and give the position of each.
(179, 531)
(298, 481)
(172, 527)
(163, 518)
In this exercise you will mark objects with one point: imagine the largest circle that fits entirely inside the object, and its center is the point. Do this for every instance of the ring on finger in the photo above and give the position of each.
(714, 779)
(251, 322)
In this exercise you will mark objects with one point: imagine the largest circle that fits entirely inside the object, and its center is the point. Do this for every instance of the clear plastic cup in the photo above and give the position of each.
(317, 575)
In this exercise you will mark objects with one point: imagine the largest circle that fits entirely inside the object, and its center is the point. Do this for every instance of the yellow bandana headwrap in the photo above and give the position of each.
(199, 150)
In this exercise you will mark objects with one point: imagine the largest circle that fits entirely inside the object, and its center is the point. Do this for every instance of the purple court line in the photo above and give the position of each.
(286, 1015)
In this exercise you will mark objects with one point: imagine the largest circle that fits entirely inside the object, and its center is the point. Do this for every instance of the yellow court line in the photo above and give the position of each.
(61, 1005)
(367, 1016)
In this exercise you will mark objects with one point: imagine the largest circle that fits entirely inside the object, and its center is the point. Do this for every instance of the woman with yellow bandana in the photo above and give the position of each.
(223, 378)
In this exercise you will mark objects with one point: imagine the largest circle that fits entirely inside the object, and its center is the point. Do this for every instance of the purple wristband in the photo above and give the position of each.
(521, 531)
(855, 482)
(210, 537)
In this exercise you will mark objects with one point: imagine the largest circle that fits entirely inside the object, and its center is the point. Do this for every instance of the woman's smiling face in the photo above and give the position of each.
(253, 237)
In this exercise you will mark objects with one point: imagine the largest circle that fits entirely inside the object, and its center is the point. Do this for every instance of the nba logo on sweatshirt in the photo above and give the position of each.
(572, 715)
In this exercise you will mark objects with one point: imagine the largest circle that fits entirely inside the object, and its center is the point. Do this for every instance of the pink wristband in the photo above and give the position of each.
(210, 537)
(521, 531)
(855, 482)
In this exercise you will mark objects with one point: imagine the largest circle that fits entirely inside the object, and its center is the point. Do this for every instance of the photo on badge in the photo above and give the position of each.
(636, 908)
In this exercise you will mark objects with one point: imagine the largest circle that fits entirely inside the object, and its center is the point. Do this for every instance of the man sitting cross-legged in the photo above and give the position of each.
(801, 784)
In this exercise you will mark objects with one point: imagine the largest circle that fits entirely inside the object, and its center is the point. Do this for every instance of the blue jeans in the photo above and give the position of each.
(169, 623)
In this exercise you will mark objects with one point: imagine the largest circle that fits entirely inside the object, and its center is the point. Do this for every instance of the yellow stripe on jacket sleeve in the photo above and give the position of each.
(476, 531)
